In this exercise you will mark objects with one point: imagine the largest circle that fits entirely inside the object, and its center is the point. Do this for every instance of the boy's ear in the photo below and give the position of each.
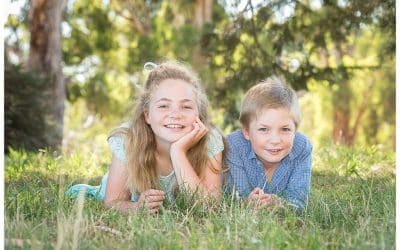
(246, 133)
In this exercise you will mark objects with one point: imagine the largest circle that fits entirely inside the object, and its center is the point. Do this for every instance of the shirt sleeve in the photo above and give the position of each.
(215, 143)
(298, 188)
(117, 147)
(237, 181)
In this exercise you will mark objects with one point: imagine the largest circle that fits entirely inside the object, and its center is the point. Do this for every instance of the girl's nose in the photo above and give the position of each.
(175, 113)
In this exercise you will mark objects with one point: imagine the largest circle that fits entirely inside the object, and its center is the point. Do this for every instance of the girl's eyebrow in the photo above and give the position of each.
(187, 100)
(164, 99)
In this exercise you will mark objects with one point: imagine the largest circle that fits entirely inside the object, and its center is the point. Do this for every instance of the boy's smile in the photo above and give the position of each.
(271, 135)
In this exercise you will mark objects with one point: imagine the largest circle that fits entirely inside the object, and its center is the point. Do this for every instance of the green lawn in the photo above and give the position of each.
(352, 206)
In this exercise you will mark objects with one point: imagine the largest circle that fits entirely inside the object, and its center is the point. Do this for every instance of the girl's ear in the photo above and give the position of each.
(146, 117)
(246, 133)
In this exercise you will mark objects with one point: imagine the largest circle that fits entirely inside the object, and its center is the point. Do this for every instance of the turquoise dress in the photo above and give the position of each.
(167, 183)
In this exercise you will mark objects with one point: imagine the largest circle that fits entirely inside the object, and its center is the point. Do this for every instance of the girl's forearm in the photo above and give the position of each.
(122, 205)
(186, 175)
(184, 171)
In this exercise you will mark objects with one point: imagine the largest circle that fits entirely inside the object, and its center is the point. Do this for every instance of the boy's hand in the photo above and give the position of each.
(259, 199)
(151, 199)
(190, 139)
(275, 201)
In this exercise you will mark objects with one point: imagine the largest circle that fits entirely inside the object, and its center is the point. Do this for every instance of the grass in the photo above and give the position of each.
(352, 206)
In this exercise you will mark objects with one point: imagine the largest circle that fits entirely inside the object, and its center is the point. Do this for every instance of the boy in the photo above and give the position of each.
(268, 159)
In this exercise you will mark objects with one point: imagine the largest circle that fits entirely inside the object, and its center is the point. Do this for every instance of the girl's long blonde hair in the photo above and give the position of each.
(140, 143)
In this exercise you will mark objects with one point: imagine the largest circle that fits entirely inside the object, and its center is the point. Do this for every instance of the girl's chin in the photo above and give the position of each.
(173, 139)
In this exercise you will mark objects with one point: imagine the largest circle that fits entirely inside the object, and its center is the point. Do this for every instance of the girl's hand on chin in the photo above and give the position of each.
(190, 139)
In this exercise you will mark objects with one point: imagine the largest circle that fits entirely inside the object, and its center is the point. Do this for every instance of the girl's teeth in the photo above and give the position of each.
(174, 126)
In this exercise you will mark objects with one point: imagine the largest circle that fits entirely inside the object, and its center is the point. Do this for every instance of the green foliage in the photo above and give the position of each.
(339, 45)
(256, 44)
(28, 118)
(91, 32)
(369, 92)
(342, 201)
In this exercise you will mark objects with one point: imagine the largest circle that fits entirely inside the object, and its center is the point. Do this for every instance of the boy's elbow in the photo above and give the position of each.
(297, 203)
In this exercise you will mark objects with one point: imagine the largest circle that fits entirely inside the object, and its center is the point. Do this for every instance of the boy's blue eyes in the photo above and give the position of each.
(267, 129)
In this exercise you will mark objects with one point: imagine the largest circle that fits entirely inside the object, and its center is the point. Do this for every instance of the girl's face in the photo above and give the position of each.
(172, 110)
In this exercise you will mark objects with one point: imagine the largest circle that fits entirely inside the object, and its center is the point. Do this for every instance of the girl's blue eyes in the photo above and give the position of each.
(166, 106)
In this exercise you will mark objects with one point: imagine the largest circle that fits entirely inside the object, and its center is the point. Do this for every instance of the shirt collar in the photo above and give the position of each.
(251, 154)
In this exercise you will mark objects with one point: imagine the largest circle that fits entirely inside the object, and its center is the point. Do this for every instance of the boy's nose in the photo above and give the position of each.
(274, 138)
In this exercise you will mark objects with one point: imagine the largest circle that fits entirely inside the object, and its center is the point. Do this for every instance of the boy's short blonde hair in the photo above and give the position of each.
(271, 93)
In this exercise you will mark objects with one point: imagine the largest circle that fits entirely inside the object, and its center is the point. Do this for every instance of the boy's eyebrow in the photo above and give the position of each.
(265, 125)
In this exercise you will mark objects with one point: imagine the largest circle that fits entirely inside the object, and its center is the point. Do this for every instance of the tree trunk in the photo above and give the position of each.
(341, 115)
(202, 15)
(202, 12)
(341, 106)
(45, 17)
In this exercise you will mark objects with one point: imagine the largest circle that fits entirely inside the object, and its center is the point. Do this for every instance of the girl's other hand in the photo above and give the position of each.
(192, 138)
(151, 199)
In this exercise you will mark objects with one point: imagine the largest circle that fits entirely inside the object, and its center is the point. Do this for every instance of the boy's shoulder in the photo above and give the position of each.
(236, 140)
(236, 136)
(301, 144)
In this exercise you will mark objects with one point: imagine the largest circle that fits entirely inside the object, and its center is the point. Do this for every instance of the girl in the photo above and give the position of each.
(169, 144)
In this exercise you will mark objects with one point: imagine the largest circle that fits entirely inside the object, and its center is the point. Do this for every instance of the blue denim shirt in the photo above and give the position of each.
(290, 181)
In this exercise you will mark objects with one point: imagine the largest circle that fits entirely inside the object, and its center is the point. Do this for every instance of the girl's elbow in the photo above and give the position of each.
(107, 203)
(216, 194)
(111, 202)
(213, 191)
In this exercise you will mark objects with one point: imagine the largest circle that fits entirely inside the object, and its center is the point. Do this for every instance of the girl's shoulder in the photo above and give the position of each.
(116, 142)
(215, 142)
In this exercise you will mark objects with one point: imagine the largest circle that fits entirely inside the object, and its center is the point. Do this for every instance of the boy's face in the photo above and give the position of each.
(271, 135)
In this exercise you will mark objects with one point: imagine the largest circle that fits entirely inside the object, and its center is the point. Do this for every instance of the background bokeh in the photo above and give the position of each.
(338, 55)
